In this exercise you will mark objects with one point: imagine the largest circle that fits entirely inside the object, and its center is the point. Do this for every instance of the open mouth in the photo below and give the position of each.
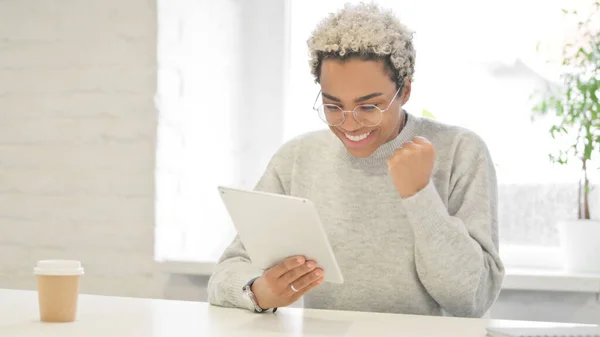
(358, 140)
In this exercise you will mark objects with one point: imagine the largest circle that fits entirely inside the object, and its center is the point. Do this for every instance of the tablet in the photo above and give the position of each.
(274, 227)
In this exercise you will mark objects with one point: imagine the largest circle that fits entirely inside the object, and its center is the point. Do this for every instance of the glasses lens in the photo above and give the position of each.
(368, 115)
(331, 114)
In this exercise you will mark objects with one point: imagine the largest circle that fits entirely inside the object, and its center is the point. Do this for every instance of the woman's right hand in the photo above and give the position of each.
(286, 282)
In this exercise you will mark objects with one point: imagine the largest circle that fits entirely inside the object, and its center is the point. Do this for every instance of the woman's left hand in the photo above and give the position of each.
(411, 166)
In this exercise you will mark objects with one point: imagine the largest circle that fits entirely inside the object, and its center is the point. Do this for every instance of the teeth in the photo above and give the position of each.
(359, 137)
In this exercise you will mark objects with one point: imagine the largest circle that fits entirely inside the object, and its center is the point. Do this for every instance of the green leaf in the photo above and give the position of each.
(426, 113)
(559, 108)
(587, 154)
(544, 106)
(593, 89)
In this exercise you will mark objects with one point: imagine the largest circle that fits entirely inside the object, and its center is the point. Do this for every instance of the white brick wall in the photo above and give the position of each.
(77, 141)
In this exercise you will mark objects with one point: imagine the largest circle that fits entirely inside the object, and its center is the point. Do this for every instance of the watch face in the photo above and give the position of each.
(247, 289)
(248, 297)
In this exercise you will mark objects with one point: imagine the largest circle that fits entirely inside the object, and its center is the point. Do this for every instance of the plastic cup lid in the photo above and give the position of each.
(58, 267)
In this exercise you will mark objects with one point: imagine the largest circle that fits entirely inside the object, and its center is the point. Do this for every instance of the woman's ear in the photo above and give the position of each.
(406, 91)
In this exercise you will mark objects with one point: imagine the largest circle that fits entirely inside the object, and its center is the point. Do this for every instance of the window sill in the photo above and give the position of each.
(550, 280)
(186, 267)
(515, 279)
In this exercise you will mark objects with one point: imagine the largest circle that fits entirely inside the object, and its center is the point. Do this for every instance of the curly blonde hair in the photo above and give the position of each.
(368, 32)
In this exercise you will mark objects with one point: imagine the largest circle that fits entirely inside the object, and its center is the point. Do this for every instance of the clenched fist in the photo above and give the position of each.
(411, 165)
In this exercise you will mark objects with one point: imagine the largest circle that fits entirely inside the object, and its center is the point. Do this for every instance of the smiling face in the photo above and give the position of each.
(354, 82)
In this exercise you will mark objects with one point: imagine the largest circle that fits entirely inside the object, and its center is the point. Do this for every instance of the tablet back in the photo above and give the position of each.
(273, 227)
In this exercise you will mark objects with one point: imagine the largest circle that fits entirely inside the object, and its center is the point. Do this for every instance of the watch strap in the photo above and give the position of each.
(247, 290)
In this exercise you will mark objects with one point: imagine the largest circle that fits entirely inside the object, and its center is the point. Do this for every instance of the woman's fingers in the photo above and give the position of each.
(306, 281)
(308, 288)
(293, 275)
(284, 266)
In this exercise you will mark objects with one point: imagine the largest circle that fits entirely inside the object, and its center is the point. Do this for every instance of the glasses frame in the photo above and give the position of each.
(353, 111)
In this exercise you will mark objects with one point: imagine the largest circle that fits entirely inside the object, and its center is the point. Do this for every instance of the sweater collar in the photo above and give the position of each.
(378, 159)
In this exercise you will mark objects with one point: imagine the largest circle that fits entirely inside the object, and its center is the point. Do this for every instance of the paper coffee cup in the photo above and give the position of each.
(58, 289)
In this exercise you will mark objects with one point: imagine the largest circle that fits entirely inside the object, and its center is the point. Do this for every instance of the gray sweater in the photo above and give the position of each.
(435, 252)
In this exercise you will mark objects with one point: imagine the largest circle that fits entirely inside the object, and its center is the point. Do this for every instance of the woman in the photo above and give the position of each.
(409, 204)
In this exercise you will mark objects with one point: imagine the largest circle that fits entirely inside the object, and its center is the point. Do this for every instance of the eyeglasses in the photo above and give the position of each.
(367, 115)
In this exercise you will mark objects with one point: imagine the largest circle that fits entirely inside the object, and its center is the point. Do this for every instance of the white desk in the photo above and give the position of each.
(113, 316)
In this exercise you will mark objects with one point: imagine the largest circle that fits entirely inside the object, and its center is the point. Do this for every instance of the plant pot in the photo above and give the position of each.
(580, 243)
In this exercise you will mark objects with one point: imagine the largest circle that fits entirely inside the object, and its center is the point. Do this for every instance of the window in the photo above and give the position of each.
(217, 93)
(197, 76)
(476, 66)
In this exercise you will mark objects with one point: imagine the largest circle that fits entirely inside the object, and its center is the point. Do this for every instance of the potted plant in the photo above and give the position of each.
(575, 106)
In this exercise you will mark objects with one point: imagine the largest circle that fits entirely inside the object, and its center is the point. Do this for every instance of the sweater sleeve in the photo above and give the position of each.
(234, 269)
(456, 246)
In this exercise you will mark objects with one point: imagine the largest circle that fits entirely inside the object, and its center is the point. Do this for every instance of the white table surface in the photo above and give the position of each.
(116, 316)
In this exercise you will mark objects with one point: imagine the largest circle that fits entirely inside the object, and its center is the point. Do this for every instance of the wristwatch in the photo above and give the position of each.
(247, 291)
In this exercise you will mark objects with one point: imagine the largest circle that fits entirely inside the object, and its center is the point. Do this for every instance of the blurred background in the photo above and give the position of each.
(118, 119)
